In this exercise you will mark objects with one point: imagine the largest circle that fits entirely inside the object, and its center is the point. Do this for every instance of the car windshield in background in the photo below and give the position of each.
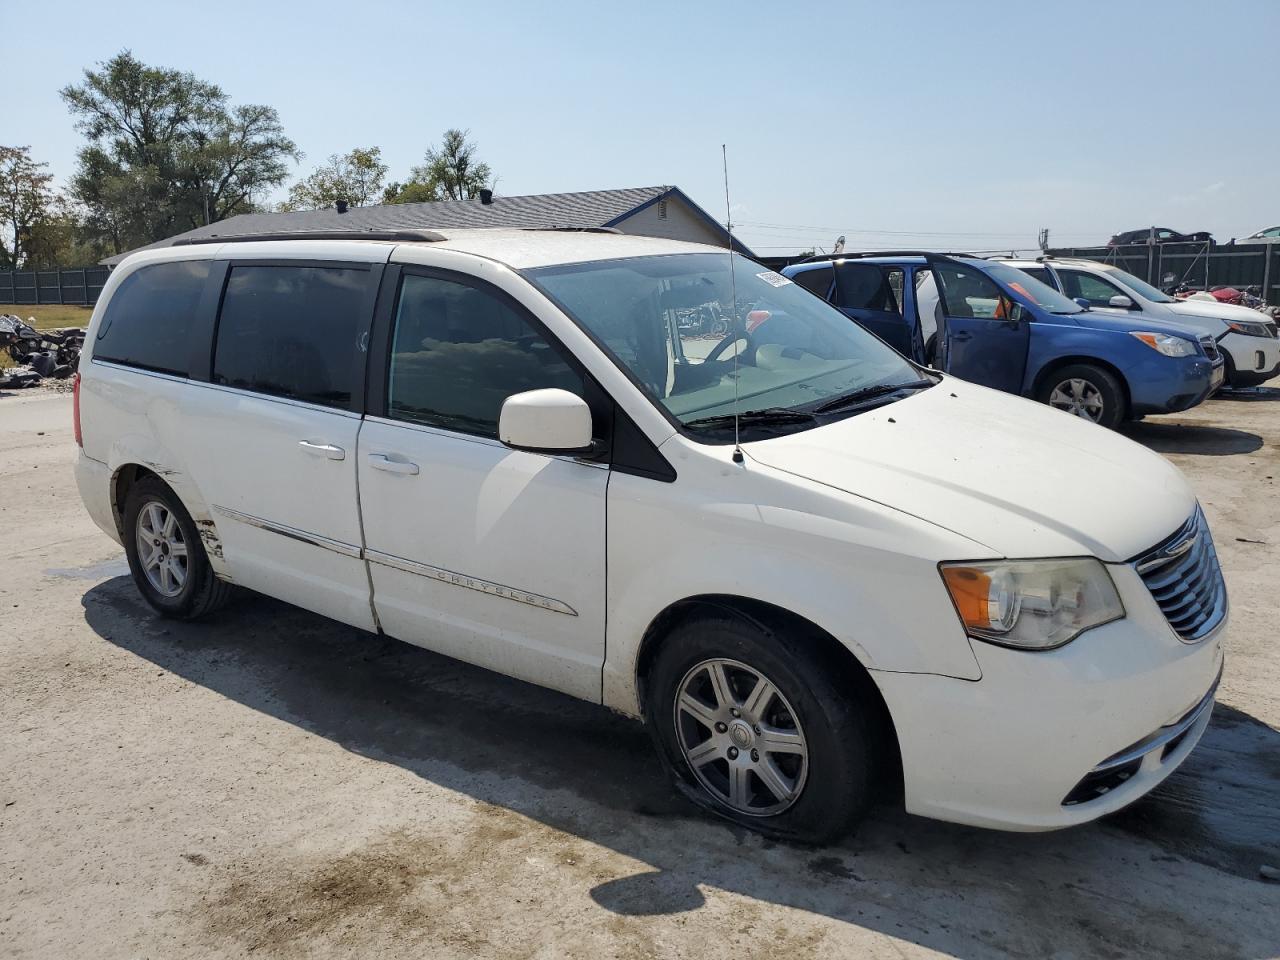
(670, 322)
(1031, 288)
(1141, 287)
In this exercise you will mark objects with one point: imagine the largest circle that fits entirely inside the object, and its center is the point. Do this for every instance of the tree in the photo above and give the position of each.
(167, 152)
(27, 200)
(450, 173)
(355, 177)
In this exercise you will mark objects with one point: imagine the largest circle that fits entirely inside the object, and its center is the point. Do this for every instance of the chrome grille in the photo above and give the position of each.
(1210, 347)
(1183, 576)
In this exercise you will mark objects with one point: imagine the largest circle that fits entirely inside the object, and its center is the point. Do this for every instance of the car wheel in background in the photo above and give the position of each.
(1086, 391)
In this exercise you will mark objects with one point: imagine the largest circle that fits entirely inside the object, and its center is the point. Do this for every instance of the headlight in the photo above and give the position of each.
(1032, 604)
(1167, 344)
(1249, 329)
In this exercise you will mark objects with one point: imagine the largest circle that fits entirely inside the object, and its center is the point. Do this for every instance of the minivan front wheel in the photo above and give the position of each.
(1085, 391)
(754, 725)
(166, 557)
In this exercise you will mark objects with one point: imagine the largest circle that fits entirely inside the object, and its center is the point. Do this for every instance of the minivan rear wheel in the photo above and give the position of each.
(752, 724)
(166, 556)
(1086, 391)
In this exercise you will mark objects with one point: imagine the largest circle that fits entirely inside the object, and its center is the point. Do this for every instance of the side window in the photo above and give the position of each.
(967, 292)
(1041, 274)
(291, 332)
(149, 315)
(815, 281)
(458, 352)
(895, 279)
(865, 286)
(1092, 288)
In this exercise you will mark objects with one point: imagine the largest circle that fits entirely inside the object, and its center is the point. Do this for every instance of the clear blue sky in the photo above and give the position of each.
(952, 125)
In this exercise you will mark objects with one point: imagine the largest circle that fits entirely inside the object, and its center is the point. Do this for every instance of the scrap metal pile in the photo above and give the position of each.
(37, 354)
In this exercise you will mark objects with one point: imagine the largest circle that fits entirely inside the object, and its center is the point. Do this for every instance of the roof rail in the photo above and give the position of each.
(576, 229)
(859, 254)
(404, 236)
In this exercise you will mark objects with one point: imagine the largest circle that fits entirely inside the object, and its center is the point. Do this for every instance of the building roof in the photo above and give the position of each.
(592, 208)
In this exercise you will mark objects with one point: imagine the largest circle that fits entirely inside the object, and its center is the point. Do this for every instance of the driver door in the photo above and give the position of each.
(985, 332)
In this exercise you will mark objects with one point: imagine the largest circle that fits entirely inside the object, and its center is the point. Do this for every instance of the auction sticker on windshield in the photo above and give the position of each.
(773, 279)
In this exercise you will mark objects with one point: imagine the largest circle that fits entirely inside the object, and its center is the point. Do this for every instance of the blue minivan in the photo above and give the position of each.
(992, 324)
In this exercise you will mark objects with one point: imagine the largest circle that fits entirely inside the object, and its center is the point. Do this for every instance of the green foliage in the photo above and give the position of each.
(450, 173)
(356, 177)
(167, 152)
(27, 204)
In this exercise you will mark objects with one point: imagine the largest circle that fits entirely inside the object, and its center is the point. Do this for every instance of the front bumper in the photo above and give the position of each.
(1020, 748)
(1173, 384)
(1254, 360)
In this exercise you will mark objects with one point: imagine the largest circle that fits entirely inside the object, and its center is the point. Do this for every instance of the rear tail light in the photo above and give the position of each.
(75, 410)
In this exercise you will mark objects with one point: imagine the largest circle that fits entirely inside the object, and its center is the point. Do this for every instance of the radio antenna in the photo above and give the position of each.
(733, 287)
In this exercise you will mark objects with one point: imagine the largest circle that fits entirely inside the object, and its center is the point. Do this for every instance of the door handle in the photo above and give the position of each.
(380, 461)
(962, 336)
(326, 450)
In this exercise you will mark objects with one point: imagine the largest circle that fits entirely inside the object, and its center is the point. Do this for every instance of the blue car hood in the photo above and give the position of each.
(1126, 322)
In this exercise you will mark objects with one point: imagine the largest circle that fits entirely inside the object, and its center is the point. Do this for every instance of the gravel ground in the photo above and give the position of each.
(271, 783)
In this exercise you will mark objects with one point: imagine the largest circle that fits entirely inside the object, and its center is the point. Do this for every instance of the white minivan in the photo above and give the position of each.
(520, 449)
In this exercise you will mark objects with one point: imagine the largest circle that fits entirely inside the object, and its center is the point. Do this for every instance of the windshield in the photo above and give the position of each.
(670, 322)
(1038, 293)
(1141, 287)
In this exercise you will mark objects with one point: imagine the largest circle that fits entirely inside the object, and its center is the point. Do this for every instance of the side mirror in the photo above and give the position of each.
(1121, 301)
(1083, 301)
(546, 421)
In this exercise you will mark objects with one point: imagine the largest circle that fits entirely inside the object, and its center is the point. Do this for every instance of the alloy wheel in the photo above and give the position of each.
(740, 737)
(162, 551)
(1079, 397)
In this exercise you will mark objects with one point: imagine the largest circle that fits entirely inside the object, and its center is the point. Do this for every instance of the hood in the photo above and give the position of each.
(1202, 309)
(1017, 477)
(1125, 321)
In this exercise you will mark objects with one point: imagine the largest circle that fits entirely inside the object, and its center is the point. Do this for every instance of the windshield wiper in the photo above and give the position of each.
(869, 393)
(764, 417)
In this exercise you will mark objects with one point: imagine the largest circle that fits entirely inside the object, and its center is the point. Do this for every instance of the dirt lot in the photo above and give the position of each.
(274, 784)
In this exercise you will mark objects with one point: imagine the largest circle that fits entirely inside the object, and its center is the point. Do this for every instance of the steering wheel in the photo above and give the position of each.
(748, 353)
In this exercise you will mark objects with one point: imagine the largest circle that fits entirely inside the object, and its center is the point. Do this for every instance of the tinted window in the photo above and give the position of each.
(1089, 287)
(147, 320)
(459, 352)
(291, 332)
(815, 281)
(1038, 273)
(865, 286)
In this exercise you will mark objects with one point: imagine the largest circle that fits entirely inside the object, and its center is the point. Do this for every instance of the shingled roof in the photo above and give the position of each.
(592, 208)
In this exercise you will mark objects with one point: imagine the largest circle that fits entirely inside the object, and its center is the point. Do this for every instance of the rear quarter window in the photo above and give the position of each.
(148, 321)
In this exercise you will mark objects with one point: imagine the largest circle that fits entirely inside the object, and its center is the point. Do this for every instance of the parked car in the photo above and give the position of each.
(1161, 234)
(813, 567)
(1246, 338)
(1269, 235)
(994, 325)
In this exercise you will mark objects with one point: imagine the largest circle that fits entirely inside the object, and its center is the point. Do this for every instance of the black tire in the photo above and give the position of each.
(202, 592)
(841, 723)
(1229, 377)
(1107, 387)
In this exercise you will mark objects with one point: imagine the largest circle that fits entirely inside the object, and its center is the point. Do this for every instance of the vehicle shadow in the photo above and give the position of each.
(1195, 439)
(1105, 889)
